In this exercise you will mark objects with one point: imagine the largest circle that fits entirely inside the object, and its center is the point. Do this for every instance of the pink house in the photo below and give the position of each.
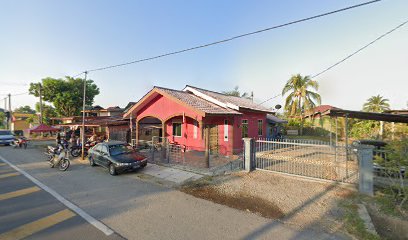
(198, 119)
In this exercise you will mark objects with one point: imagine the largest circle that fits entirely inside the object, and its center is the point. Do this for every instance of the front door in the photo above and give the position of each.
(213, 141)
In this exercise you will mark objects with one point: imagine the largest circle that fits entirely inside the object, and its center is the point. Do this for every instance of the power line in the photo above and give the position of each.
(347, 57)
(13, 84)
(360, 49)
(19, 94)
(229, 39)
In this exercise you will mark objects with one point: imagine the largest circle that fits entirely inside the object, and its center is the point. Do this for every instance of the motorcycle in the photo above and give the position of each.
(77, 150)
(20, 142)
(58, 156)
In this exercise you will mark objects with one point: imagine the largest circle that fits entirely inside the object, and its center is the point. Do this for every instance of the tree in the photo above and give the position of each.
(301, 95)
(2, 119)
(237, 93)
(24, 109)
(65, 94)
(376, 104)
(393, 160)
(48, 112)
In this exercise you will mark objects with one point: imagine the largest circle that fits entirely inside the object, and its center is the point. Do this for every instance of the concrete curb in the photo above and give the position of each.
(362, 212)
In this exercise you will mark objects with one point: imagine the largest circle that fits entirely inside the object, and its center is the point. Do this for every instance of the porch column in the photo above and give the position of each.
(232, 135)
(200, 123)
(207, 146)
(164, 129)
(137, 131)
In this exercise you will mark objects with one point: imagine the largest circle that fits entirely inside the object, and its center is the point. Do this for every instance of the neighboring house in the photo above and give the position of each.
(274, 127)
(19, 121)
(98, 111)
(316, 113)
(199, 119)
(398, 112)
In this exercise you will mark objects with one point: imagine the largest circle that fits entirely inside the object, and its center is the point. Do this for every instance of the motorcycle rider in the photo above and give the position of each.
(58, 138)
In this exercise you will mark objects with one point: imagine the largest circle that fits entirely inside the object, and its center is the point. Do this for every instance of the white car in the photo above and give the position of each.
(6, 137)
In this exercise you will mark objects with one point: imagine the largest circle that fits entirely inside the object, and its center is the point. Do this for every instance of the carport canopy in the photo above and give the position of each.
(42, 128)
(386, 117)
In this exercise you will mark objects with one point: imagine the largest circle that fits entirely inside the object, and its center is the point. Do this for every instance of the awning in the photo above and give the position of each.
(274, 119)
(386, 117)
(42, 128)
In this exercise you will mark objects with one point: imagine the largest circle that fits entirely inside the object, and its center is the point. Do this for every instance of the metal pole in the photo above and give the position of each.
(41, 106)
(83, 117)
(10, 112)
(330, 131)
(346, 133)
(336, 139)
(5, 109)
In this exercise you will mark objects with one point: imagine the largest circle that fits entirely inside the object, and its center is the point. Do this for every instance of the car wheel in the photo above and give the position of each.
(91, 162)
(112, 170)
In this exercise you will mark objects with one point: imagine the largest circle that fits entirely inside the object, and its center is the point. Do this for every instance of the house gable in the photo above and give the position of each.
(162, 99)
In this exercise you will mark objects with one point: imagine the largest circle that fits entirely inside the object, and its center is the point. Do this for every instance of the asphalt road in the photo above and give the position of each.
(27, 211)
(131, 205)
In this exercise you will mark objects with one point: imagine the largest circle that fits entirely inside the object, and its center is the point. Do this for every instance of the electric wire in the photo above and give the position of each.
(231, 38)
(347, 57)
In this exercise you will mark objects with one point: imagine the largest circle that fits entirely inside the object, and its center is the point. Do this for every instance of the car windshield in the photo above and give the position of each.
(120, 149)
(5, 133)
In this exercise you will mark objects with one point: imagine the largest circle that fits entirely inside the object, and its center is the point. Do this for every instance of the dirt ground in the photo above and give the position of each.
(296, 201)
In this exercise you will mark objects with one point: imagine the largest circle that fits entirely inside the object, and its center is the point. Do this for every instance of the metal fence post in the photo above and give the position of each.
(249, 156)
(366, 181)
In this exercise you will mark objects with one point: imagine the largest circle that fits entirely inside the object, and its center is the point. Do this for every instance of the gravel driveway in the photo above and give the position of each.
(298, 202)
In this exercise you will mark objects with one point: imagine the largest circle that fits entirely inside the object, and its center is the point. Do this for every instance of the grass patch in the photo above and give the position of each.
(386, 203)
(352, 221)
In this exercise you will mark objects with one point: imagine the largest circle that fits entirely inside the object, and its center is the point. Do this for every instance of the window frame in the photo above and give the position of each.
(181, 129)
(246, 124)
(260, 127)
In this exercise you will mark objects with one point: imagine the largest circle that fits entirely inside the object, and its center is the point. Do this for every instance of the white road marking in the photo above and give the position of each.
(99, 225)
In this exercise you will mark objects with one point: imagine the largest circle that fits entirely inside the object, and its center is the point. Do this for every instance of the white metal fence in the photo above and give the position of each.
(309, 158)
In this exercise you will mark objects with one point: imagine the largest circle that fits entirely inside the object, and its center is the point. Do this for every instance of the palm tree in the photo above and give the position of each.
(301, 95)
(237, 93)
(376, 104)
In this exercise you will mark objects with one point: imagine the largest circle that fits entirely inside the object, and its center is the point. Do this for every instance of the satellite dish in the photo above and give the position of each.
(278, 106)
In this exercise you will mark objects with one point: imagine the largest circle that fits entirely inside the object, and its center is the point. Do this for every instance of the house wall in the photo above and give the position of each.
(171, 111)
(163, 108)
(19, 125)
(119, 133)
(252, 118)
(225, 146)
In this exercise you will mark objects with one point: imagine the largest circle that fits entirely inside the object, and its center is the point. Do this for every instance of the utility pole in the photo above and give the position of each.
(9, 120)
(5, 112)
(83, 118)
(41, 105)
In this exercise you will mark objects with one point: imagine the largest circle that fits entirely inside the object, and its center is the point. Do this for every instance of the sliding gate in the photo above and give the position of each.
(315, 159)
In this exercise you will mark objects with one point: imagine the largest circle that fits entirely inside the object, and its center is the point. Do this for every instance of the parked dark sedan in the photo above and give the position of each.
(116, 156)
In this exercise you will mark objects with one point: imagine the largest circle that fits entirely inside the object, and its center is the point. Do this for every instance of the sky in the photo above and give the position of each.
(42, 39)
